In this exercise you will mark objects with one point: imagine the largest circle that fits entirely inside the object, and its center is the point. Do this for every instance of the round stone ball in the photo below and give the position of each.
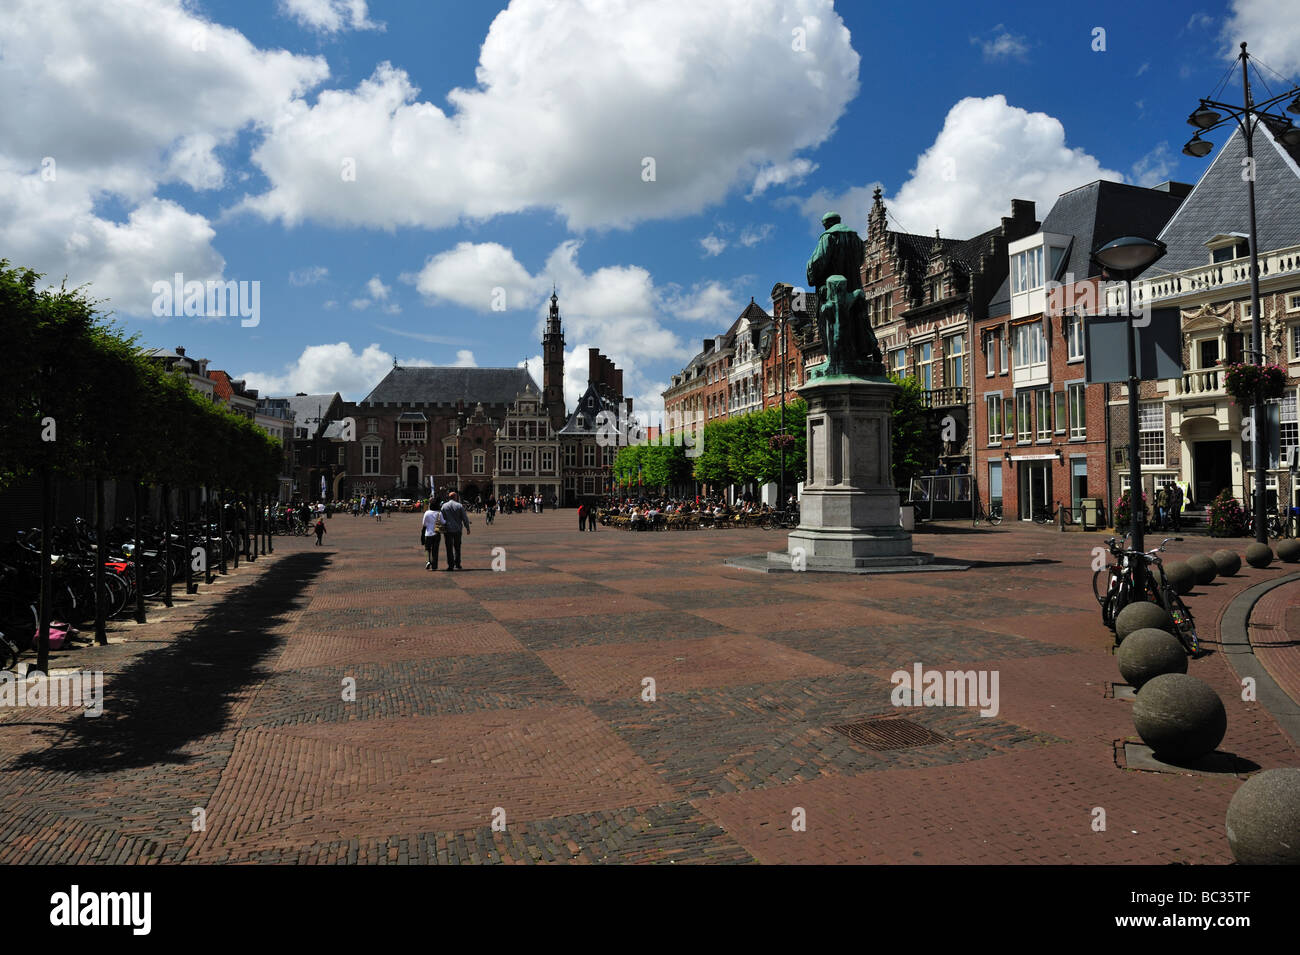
(1142, 615)
(1180, 717)
(1227, 562)
(1203, 567)
(1288, 550)
(1181, 576)
(1147, 654)
(1259, 555)
(1264, 819)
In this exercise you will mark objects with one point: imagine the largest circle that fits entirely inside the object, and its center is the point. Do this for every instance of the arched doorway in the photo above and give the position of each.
(412, 475)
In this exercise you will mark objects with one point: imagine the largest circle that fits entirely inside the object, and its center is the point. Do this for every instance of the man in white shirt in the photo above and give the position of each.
(430, 529)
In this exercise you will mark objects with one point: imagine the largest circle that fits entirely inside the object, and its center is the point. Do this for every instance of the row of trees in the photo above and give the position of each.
(741, 450)
(81, 400)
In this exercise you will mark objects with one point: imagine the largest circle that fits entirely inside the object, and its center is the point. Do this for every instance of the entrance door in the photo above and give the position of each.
(1078, 486)
(412, 476)
(1035, 487)
(1211, 470)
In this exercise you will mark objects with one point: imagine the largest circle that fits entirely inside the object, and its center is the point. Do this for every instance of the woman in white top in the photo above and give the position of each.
(430, 529)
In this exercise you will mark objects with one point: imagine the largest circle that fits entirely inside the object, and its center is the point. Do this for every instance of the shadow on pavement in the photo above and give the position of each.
(171, 696)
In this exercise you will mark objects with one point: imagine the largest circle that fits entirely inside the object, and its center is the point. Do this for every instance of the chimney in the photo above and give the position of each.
(180, 350)
(618, 381)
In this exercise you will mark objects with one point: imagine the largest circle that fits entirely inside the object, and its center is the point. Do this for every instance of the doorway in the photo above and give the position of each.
(412, 476)
(1211, 470)
(1035, 487)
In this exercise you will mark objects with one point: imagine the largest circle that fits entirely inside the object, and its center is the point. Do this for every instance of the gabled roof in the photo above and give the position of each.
(583, 418)
(1218, 204)
(448, 385)
(307, 408)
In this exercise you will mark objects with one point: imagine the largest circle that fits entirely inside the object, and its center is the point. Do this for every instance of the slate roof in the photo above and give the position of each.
(582, 421)
(447, 385)
(306, 408)
(1218, 203)
(1094, 214)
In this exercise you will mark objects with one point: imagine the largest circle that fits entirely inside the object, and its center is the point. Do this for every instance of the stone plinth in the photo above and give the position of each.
(849, 508)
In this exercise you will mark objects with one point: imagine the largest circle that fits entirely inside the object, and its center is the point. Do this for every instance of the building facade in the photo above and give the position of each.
(528, 455)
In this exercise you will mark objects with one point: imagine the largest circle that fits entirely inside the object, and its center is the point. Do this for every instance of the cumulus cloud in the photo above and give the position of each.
(1155, 167)
(484, 276)
(782, 174)
(328, 368)
(987, 154)
(376, 294)
(1271, 27)
(81, 90)
(712, 245)
(465, 359)
(308, 276)
(570, 100)
(752, 235)
(713, 302)
(330, 16)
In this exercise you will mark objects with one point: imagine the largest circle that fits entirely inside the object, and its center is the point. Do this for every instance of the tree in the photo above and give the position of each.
(915, 445)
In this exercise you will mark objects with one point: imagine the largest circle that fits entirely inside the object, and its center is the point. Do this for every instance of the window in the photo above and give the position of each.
(1027, 270)
(1078, 412)
(954, 361)
(995, 482)
(480, 462)
(570, 455)
(449, 459)
(1207, 353)
(548, 461)
(1074, 337)
(588, 484)
(1008, 418)
(899, 360)
(342, 454)
(1030, 346)
(1295, 342)
(990, 346)
(925, 364)
(507, 459)
(412, 431)
(370, 459)
(1044, 414)
(526, 460)
(993, 404)
(1288, 431)
(1054, 256)
(588, 455)
(372, 425)
(1227, 253)
(1293, 302)
(1002, 348)
(1024, 413)
(1151, 434)
(1059, 400)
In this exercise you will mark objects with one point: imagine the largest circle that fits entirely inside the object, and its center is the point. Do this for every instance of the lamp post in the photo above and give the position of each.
(1210, 115)
(1126, 258)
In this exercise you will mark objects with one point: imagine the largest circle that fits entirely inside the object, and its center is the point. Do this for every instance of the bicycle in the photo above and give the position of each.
(993, 515)
(1120, 590)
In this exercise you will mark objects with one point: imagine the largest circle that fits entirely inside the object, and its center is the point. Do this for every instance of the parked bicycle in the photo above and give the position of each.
(993, 515)
(1121, 589)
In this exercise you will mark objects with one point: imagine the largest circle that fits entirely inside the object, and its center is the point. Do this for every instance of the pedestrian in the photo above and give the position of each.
(455, 520)
(320, 530)
(431, 526)
(1176, 506)
(591, 518)
(582, 517)
(1162, 506)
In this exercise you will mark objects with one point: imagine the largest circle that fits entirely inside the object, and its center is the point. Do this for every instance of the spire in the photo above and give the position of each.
(553, 319)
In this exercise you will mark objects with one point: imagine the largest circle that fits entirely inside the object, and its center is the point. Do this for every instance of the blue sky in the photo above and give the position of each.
(498, 148)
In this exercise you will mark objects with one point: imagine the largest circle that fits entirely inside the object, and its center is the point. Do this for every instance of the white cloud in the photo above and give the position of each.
(308, 276)
(1000, 44)
(330, 16)
(478, 276)
(752, 235)
(465, 359)
(377, 289)
(712, 245)
(987, 154)
(82, 89)
(570, 99)
(1155, 167)
(711, 302)
(1271, 27)
(328, 368)
(360, 304)
(782, 174)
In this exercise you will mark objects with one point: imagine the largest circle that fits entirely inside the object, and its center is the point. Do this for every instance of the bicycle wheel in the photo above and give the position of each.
(1183, 621)
(995, 516)
(8, 653)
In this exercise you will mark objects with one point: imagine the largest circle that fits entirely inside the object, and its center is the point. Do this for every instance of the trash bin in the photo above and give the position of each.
(1091, 507)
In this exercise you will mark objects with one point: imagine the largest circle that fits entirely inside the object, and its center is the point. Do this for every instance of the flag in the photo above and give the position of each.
(322, 487)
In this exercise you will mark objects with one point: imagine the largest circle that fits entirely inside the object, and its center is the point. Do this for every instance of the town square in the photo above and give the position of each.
(651, 433)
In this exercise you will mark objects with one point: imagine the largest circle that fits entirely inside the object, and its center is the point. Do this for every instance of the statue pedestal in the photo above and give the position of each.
(849, 509)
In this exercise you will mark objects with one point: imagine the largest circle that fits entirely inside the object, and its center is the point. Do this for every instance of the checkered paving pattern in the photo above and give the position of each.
(344, 705)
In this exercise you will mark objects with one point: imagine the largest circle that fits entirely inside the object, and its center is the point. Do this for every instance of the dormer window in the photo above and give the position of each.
(1229, 246)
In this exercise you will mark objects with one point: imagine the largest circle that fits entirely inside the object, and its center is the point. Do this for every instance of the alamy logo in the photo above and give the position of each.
(946, 688)
(210, 299)
(73, 689)
(75, 907)
(621, 431)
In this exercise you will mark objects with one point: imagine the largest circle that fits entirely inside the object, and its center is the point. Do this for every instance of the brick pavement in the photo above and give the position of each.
(521, 691)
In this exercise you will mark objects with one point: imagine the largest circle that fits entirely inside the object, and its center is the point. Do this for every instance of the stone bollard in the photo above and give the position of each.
(1148, 653)
(1227, 562)
(1259, 555)
(1204, 568)
(1142, 615)
(1263, 821)
(1180, 717)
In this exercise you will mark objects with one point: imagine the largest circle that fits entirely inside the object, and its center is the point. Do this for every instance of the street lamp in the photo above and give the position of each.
(1126, 258)
(1210, 115)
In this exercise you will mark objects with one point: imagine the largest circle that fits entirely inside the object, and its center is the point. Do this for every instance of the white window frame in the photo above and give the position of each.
(369, 457)
(1024, 416)
(1147, 411)
(1074, 337)
(1076, 399)
(992, 410)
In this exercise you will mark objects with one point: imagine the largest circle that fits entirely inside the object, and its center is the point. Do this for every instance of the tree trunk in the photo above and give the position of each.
(221, 530)
(101, 595)
(167, 545)
(207, 536)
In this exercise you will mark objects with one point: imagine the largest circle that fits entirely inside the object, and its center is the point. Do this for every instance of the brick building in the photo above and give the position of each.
(780, 344)
(1041, 436)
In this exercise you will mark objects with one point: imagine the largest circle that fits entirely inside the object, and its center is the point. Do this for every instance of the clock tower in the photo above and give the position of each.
(553, 367)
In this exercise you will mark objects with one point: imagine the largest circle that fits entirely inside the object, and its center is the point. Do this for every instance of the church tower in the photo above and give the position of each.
(553, 367)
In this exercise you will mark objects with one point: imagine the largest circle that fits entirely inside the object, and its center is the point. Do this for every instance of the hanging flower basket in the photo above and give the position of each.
(778, 441)
(1246, 381)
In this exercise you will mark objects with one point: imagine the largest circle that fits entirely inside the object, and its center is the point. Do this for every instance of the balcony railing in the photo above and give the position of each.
(1206, 277)
(945, 397)
(1208, 382)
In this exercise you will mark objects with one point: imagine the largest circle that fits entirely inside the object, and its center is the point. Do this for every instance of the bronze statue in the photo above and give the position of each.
(835, 271)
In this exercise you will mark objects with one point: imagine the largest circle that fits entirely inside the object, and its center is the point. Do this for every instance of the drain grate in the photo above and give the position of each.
(890, 733)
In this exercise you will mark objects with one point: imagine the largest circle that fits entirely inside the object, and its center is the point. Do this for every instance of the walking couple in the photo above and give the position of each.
(447, 523)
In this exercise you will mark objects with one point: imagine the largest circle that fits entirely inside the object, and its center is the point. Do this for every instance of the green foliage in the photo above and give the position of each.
(1227, 519)
(739, 450)
(1124, 516)
(112, 412)
(915, 445)
(652, 465)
